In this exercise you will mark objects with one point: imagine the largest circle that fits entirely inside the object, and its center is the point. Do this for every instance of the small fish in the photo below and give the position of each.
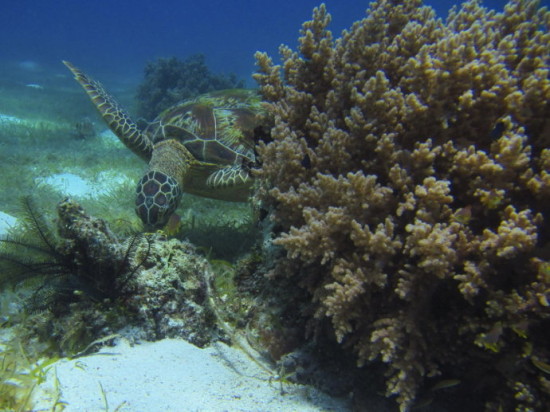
(520, 328)
(173, 226)
(446, 383)
(544, 276)
(463, 215)
(35, 86)
(494, 199)
(527, 350)
(422, 403)
(306, 161)
(221, 263)
(543, 366)
(490, 340)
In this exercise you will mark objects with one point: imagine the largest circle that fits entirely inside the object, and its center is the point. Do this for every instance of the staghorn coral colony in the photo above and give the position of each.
(408, 179)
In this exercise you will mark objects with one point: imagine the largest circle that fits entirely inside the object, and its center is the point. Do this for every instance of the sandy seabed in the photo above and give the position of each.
(173, 375)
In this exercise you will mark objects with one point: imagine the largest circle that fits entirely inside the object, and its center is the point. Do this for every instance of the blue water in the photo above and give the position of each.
(115, 38)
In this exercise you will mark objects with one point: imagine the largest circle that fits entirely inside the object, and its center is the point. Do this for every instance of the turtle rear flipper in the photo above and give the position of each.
(118, 120)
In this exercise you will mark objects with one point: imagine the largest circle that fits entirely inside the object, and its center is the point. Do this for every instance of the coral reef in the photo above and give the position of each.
(87, 283)
(408, 178)
(170, 80)
(169, 294)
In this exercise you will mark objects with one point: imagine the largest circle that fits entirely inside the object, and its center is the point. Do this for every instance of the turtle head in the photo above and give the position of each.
(157, 197)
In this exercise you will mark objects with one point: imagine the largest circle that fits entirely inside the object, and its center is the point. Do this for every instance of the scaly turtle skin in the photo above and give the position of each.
(202, 146)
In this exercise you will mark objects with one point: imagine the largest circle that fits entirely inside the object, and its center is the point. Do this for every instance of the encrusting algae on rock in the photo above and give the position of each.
(409, 180)
(89, 282)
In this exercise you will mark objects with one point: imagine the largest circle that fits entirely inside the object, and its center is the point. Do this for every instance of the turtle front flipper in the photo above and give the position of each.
(118, 120)
(234, 175)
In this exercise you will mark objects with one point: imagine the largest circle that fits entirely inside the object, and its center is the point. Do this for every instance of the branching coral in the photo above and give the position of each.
(409, 177)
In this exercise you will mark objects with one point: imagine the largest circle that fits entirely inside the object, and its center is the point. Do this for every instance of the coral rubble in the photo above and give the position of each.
(409, 180)
(159, 282)
(169, 293)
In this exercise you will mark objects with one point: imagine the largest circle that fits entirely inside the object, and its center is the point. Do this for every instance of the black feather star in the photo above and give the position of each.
(86, 261)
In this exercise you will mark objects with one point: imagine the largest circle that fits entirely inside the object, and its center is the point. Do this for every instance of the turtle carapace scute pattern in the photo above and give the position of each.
(203, 146)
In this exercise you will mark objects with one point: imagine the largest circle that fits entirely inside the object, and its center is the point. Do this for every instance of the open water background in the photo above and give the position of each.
(113, 39)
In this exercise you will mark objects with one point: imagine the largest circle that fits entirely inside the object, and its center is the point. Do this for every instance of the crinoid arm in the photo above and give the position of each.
(82, 259)
(31, 252)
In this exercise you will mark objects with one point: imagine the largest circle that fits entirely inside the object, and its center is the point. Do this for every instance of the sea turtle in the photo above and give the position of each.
(203, 146)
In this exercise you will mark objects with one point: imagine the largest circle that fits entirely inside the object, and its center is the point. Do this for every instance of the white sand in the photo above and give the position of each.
(6, 223)
(70, 184)
(173, 375)
(8, 119)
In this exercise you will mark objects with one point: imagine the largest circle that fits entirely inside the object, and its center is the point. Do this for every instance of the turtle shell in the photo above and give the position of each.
(216, 128)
